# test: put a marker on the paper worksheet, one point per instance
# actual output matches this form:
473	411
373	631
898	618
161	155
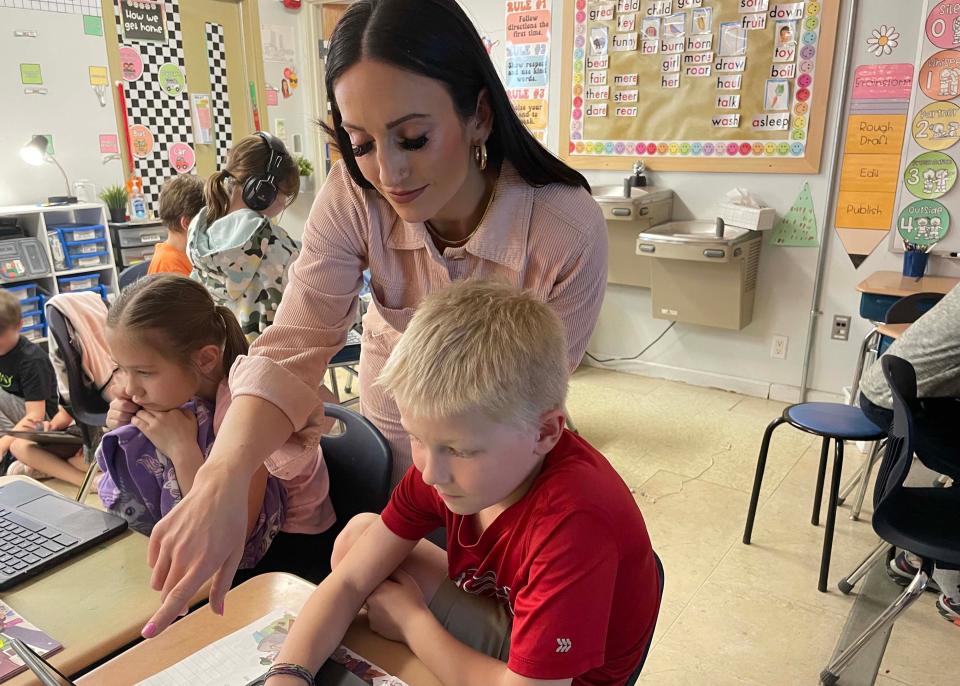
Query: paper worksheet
247	653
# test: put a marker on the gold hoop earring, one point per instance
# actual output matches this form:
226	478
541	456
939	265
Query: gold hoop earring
480	155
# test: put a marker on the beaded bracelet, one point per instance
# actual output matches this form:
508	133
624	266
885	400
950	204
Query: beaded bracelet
290	669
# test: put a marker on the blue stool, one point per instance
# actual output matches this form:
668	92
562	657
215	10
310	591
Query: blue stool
829	421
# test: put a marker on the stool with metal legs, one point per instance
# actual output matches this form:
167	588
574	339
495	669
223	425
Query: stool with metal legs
830	421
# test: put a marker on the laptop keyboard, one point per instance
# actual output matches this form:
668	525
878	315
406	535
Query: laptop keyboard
25	542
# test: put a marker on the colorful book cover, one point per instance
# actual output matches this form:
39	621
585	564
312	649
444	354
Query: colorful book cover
12	625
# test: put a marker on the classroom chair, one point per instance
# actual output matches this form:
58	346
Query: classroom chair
830	421
133	273
635	677
348	357
359	462
921	520
86	406
906	310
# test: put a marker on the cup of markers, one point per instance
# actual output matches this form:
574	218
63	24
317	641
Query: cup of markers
915	259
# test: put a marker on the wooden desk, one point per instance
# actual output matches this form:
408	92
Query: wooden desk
245	604
94	604
897	285
893	331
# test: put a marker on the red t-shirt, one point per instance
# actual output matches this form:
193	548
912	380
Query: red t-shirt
571	560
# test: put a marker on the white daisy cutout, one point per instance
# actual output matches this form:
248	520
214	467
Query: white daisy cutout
883	40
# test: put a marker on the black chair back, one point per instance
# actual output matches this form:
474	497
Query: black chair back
910	308
86	405
133	273
359	463
919	519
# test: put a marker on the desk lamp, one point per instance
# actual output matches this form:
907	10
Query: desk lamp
35	153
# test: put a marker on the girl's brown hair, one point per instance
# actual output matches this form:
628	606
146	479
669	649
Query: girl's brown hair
247	158
179	317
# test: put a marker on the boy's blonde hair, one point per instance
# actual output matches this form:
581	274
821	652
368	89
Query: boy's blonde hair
9	310
483	346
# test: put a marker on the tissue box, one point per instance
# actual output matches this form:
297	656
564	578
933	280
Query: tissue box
755	218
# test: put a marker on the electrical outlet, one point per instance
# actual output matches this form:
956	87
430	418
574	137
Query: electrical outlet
778	348
841	328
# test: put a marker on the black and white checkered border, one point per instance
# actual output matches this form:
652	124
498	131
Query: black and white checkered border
167	117
88	7
220	100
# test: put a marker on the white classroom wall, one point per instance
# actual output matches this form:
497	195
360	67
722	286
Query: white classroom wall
70	110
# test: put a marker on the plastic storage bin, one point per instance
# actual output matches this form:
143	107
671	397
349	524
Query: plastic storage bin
35	332
87	253
130	256
80	232
84	282
92	260
34	303
99	290
24	291
137	237
32	318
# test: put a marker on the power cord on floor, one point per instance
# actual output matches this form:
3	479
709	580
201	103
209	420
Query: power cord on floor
653	500
625	359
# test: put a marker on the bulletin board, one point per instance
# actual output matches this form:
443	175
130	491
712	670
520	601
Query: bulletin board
697	85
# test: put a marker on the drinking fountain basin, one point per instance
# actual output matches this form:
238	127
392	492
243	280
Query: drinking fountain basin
694	240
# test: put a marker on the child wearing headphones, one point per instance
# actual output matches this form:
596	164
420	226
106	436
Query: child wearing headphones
237	252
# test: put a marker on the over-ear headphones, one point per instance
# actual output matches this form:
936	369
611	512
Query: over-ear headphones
260	190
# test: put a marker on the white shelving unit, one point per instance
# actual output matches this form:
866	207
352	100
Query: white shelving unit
35	220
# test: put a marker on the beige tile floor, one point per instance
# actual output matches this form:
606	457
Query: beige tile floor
736	614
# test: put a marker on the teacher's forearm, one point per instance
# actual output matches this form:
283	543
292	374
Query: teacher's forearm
252	430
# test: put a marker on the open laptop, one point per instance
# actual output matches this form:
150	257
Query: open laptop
40	529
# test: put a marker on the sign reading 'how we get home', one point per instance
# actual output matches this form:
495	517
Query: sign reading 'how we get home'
143	20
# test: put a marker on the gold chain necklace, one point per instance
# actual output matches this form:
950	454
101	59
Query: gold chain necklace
466	239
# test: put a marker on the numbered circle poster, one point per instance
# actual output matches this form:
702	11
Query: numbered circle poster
940	75
923	223
937	126
943	24
930	175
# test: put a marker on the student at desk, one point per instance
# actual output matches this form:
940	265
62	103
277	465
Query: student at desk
549	578
173	348
28	386
932	345
440	181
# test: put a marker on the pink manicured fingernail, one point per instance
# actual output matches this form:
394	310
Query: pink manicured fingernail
149	631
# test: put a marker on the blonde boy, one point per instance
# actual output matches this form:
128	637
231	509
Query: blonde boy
548	577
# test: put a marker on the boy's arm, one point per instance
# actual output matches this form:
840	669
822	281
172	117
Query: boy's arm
325	617
35	414
36	410
61	420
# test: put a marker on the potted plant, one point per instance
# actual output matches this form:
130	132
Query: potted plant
115	198
305	168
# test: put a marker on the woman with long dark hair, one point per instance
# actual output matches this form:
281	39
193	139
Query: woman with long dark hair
440	181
